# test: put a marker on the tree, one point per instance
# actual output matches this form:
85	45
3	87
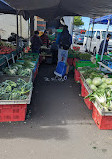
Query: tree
78	21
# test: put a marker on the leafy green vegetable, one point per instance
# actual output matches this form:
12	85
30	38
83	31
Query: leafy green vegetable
10	90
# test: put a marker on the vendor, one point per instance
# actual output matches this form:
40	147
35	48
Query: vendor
45	39
106	45
36	42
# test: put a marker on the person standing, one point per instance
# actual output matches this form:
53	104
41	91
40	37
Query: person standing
36	42
106	45
64	41
45	39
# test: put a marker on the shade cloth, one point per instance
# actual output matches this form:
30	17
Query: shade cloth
54	8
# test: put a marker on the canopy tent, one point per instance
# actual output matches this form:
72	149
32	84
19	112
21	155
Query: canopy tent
54	8
6	9
102	20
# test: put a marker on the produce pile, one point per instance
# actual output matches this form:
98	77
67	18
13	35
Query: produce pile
18	90
79	55
6	48
20	68
29	56
101	87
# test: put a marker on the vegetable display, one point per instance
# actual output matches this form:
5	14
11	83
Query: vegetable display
101	87
79	55
20	68
18	90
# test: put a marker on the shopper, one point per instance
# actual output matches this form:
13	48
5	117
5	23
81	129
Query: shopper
64	41
45	39
106	45
36	42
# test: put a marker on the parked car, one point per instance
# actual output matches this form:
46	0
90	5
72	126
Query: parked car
79	39
93	40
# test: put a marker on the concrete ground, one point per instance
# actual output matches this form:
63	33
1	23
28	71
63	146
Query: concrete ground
58	125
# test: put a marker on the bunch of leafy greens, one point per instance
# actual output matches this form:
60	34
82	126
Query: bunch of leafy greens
18	90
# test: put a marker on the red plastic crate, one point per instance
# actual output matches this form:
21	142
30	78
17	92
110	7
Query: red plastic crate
70	61
81	82
87	102
82	90
13	112
77	76
103	122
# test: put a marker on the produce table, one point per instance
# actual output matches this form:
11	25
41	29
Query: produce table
101	117
15	110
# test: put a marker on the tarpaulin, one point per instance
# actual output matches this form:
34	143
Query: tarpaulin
6	9
102	20
49	8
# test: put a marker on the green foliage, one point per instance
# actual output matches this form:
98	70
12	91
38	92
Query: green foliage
78	21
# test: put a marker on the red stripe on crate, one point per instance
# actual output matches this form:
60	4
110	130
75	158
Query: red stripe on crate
87	102
102	122
82	90
13	112
77	76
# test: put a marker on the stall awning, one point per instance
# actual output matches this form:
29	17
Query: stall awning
103	20
49	8
6	9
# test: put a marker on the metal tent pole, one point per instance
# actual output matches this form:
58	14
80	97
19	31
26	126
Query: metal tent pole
87	37
17	39
91	37
105	40
28	31
21	25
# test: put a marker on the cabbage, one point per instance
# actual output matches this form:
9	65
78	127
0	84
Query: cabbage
109	81
103	85
97	81
104	79
109	86
89	81
93	87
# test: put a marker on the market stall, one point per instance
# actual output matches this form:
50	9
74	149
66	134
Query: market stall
96	89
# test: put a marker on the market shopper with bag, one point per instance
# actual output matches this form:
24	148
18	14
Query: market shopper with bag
36	42
106	45
64	41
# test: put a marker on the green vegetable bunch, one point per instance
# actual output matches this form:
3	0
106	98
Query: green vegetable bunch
10	90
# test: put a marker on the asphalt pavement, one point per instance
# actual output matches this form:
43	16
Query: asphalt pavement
58	125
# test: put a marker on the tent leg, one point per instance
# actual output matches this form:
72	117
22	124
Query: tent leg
91	37
17	39
28	31
104	43
87	37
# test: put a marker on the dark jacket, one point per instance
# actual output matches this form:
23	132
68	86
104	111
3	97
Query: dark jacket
36	42
59	37
101	47
45	39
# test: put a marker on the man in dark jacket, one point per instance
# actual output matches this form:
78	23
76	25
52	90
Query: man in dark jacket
106	45
36	42
64	41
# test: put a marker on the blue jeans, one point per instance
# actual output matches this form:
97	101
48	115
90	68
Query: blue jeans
62	55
